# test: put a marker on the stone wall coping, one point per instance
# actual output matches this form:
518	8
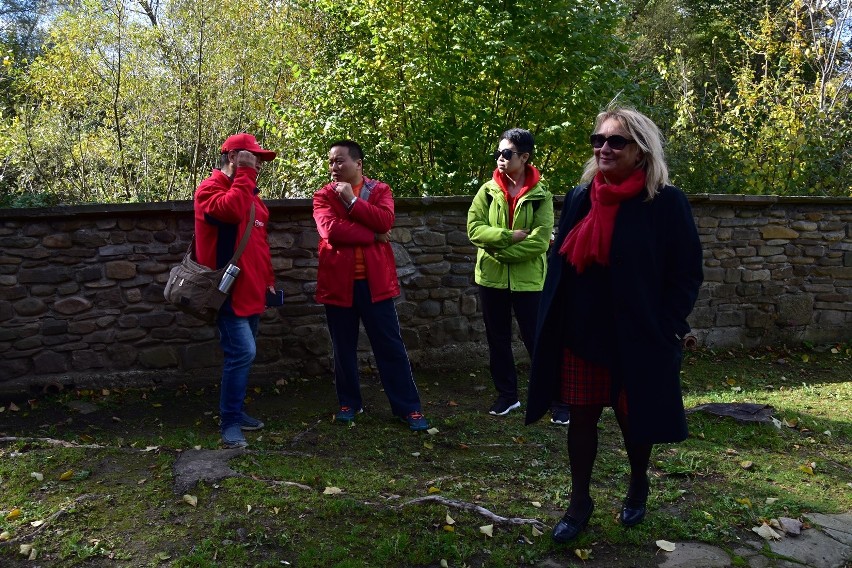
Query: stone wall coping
402	203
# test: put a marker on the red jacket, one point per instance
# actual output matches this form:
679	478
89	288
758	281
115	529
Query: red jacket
341	231
222	210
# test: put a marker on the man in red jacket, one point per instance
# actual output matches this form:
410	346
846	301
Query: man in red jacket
222	211
357	282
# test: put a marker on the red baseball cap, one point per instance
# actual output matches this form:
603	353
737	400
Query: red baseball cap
246	141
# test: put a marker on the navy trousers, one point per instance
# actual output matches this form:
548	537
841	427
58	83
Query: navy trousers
382	326
497	307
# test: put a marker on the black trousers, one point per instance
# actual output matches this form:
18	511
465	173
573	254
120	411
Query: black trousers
497	307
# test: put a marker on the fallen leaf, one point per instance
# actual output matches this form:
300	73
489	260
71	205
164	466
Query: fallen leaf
731	382
744	501
449	520
791	423
487	530
432	431
26	549
583	553
666	545
771	500
776	422
807	469
275	510
444	564
415	454
452	403
806	358
731	452
526	539
449	528
766	532
162	556
66	475
37	523
13	407
332	491
464	447
13	514
5	535
746	464
536	504
433	490
190	500
428	446
151	448
518	439
248	509
37	476
536	532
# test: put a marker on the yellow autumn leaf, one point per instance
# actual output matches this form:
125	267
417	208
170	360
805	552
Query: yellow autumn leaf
191	500
37	524
428	446
746	464
536	504
432	431
771	500
807	469
487	530
666	545
806	358
433	490
731	382
744	501
13	407
449	520
332	491
5	535
444	563
248	509
449	528
583	553
536	532
275	510
156	405
66	475
25	549
13	514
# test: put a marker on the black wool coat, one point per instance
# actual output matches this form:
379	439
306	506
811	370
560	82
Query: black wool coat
656	271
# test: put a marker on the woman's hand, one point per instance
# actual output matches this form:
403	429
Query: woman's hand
519	234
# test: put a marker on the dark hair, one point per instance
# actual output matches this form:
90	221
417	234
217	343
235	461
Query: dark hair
522	139
223	160
355	151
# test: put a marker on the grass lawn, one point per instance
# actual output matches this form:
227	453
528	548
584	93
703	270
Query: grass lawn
312	492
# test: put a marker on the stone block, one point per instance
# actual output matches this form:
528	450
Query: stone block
29	307
46	363
429	238
778	232
756	275
730	318
795	310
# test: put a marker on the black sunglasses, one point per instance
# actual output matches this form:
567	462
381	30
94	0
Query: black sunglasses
506	153
616	141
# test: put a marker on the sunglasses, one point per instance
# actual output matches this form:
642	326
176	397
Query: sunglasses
616	142
506	153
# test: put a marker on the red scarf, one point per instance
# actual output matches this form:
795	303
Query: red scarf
531	177
590	240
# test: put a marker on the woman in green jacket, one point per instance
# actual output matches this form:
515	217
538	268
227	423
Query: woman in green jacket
510	221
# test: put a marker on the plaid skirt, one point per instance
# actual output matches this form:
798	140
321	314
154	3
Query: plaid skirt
586	383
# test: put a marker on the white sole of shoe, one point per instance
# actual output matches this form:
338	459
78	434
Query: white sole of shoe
507	411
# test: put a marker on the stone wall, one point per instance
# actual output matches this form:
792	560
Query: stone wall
81	288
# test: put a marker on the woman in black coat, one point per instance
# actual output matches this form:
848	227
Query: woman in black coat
622	277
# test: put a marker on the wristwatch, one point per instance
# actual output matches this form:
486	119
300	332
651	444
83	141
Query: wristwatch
351	203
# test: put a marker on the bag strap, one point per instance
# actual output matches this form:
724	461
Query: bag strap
242	246
245	239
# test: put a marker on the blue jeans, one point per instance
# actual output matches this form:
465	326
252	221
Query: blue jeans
382	326
236	336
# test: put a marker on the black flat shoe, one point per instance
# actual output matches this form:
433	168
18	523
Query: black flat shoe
568	528
633	513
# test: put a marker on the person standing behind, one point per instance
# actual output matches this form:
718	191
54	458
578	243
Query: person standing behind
614	309
357	281
510	221
222	210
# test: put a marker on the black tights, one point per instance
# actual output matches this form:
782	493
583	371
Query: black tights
583	448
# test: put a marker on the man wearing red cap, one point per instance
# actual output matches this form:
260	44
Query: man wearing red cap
357	282
222	211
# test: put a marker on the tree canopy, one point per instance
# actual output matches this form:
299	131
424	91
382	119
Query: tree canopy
128	101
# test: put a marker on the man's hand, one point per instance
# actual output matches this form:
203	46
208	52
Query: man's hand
246	159
519	234
344	192
383	237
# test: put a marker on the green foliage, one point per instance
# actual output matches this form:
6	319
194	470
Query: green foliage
127	101
774	115
428	88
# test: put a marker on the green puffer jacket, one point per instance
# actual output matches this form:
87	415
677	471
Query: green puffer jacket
500	263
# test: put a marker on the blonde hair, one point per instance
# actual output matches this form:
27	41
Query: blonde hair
650	141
